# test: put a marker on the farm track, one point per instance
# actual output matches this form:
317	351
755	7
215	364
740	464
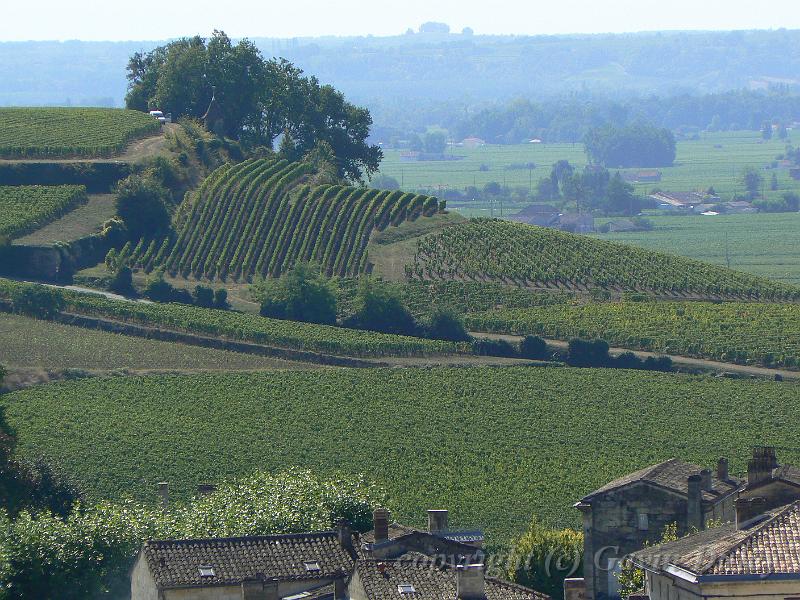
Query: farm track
686	361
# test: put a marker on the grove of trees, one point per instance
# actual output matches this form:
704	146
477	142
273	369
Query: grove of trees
632	146
258	100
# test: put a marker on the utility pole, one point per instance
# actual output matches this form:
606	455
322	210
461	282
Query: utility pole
727	251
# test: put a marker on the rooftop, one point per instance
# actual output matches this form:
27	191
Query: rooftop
228	561
769	546
671	475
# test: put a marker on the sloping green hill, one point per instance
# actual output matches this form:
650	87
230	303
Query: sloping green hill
494	445
493	250
259	217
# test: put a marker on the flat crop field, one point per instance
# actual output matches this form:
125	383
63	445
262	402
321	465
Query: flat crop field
70	132
31	343
494	445
717	159
740	332
767	245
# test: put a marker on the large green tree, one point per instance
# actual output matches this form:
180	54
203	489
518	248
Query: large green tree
259	100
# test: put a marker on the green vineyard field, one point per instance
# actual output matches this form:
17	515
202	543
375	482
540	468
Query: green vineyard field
70	132
500	251
494	445
259	217
742	332
25	209
249	327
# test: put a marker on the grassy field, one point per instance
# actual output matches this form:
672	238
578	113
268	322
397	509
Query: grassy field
30	343
763	244
494	445
742	332
68	132
80	222
699	164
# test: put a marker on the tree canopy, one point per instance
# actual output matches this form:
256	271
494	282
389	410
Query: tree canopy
258	100
632	146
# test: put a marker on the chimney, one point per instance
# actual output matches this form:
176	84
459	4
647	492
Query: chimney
204	489
163	491
747	509
694	507
470	582
259	589
706	483
759	468
722	469
380	523
344	534
437	521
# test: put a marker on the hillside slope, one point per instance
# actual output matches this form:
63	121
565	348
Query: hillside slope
259	217
493	250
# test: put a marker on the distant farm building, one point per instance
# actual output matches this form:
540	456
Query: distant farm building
646	176
535	141
682	200
545	215
473	142
739	207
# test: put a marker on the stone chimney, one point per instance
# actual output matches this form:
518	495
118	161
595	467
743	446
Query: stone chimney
470	582
722	469
260	588
380	523
694	507
344	534
204	489
163	491
759	468
437	521
748	509
706	483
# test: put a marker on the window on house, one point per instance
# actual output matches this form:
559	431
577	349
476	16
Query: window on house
206	571
643	523
406	588
312	565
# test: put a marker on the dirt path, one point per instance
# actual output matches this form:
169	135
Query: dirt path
695	363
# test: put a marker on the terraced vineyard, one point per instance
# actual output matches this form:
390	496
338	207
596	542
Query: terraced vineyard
494	445
24	209
259	217
766	334
248	327
70	132
500	251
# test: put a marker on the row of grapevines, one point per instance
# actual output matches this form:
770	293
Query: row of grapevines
24	209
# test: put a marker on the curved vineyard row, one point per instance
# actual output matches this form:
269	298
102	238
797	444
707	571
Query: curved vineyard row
505	252
259	217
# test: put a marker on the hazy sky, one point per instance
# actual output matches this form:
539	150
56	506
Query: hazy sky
115	20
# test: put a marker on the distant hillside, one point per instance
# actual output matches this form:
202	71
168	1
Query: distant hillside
259	217
501	251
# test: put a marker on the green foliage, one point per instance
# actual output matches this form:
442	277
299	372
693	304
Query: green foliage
122	282
37	301
789	202
739	332
221	299
631	579
445	323
380	308
492	250
24	209
302	294
542	558
515	421
204	296
255	100
631	146
534	347
262	216
63	132
142	204
752	180
241	326
90	552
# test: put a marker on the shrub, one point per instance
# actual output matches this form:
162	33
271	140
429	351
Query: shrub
221	299
447	324
37	301
534	347
142	204
542	558
487	347
586	353
122	282
302	294
204	296
157	289
379	308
